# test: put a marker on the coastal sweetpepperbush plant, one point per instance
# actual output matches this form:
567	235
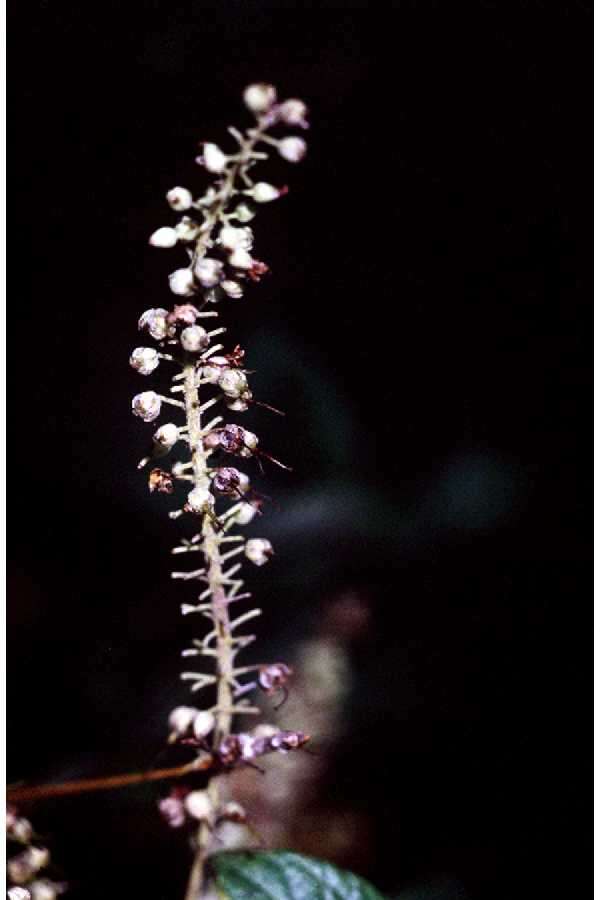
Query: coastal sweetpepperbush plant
197	459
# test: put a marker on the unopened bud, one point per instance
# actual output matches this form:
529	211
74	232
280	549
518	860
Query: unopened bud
42	889
246	513
293	112
199	805
144	360
204	723
292	148
208	271
181	718
233	383
166	436
194	338
163	237
258	551
181	282
215	368
240	259
213	158
173	811
200	499
146	406
262	192
187	229
232	288
243	213
260	97
154	321
231	238
179	199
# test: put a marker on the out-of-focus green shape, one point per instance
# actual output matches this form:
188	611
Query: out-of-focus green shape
281	875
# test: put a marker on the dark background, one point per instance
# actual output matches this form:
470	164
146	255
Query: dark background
426	328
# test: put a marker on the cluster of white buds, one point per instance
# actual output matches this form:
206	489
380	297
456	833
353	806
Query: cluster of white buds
219	243
218	209
24	868
187	720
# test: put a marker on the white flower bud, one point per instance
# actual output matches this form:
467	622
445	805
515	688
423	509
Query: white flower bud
194	338
199	805
146	406
293	112
37	857
240	259
187	229
231	238
42	889
200	499
263	192
243	213
208	271
166	436
203	724
179	199
233	383
245	513
258	551
214	158
18	893
144	360
163	237
181	718
292	148
232	289
21	830
214	368
154	321
260	97
181	282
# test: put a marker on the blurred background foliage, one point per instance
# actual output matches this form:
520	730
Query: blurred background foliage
425	328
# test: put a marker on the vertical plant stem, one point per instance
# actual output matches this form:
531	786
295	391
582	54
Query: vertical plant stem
220	613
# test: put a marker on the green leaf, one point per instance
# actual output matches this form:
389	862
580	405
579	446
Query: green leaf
281	875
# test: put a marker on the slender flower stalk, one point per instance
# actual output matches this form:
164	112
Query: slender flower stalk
218	241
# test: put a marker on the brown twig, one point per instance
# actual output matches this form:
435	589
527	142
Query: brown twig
25	793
